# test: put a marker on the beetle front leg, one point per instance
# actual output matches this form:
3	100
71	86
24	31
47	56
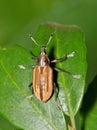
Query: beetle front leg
31	66
66	72
65	57
25	67
30	85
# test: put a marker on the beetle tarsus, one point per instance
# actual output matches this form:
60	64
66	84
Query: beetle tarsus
30	97
25	67
22	67
71	54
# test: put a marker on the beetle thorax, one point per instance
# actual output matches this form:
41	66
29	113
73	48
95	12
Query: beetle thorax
44	60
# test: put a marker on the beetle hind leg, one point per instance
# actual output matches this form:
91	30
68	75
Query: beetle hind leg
66	72
56	98
56	91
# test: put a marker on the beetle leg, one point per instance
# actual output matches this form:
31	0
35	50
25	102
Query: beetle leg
65	57
57	101
31	66
25	67
64	71
30	86
30	97
56	91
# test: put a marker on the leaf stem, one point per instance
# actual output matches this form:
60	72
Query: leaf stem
73	125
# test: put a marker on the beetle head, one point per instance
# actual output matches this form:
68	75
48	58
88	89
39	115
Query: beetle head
43	49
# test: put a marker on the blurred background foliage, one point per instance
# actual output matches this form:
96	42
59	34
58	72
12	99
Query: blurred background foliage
19	18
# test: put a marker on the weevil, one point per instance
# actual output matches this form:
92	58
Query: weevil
43	75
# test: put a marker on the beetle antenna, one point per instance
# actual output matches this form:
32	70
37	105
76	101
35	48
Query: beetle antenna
33	40
50	38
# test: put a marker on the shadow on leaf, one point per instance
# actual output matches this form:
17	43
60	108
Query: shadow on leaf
89	100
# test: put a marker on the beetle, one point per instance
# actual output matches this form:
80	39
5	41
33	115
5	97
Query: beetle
43	76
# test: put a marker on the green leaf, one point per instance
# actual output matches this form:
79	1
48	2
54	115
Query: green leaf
14	104
66	39
34	114
6	125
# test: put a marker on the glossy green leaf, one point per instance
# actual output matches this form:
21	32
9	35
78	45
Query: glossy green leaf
6	125
14	104
33	114
66	39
